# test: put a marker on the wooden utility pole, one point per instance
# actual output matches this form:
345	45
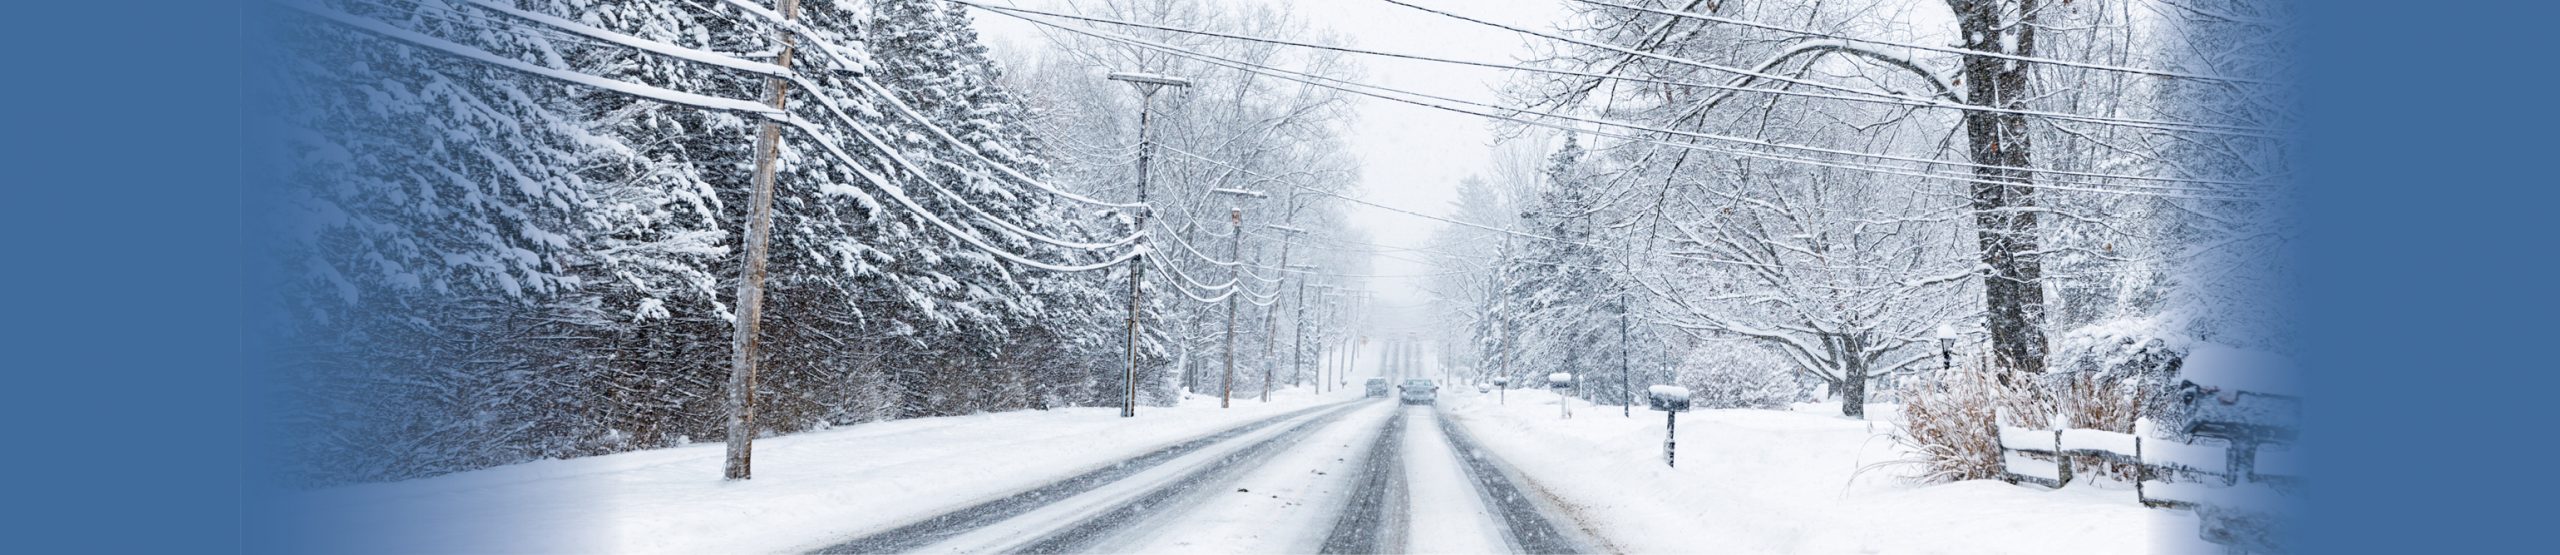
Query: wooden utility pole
1502	310
1235	278
1298	347
1147	86
1271	326
750	301
1626	385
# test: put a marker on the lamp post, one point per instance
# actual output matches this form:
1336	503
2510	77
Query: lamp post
1946	349
1147	85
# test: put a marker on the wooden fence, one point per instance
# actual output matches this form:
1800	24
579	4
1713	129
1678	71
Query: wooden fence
2235	476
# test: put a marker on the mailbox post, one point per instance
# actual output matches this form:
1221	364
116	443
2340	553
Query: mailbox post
1558	381
1671	400
1503	385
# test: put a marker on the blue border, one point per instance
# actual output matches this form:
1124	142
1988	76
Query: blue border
123	187
2429	194
2428	187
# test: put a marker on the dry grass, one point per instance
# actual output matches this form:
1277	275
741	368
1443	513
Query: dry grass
1950	425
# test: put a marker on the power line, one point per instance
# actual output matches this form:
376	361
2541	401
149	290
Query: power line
896	157
704	101
863	80
1942	49
1457	222
1360	89
1866	96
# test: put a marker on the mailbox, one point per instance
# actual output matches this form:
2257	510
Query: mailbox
1560	380
1501	381
1671	400
1668	398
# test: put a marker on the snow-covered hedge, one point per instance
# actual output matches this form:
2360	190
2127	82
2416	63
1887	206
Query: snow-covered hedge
1719	378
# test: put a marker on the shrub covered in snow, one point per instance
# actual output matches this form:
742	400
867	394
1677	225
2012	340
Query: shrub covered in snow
1725	378
2135	355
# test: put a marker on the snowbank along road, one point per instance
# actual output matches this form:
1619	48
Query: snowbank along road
1360	477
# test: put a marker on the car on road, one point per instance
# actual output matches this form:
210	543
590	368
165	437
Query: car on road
1377	387
1420	391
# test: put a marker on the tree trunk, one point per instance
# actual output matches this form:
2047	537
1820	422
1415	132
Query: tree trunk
1853	376
2013	288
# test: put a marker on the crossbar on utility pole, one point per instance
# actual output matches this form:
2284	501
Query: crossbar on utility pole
750	301
1147	86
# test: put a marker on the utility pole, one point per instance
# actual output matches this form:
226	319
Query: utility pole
1412	367
1235	282
1235	278
1350	338
1626	389
1333	316
1271	327
750	301
1147	86
1298	347
1502	311
1387	357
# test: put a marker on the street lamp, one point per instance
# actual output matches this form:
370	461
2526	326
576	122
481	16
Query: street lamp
1147	85
1947	348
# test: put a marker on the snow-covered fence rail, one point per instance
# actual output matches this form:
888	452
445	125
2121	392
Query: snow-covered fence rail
2043	457
2235	475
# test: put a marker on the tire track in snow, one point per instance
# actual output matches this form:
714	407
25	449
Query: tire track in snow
1523	518
1373	521
1086	532
944	526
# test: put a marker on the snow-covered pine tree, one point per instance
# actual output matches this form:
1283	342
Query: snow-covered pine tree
1561	297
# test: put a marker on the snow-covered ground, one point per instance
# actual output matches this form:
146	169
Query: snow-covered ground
1749	481
1800	481
810	489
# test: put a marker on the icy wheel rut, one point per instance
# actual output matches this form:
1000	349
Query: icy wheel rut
1085	533
1524	519
910	537
1373	522
1424	487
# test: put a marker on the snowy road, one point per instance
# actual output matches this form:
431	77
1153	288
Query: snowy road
1367	476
